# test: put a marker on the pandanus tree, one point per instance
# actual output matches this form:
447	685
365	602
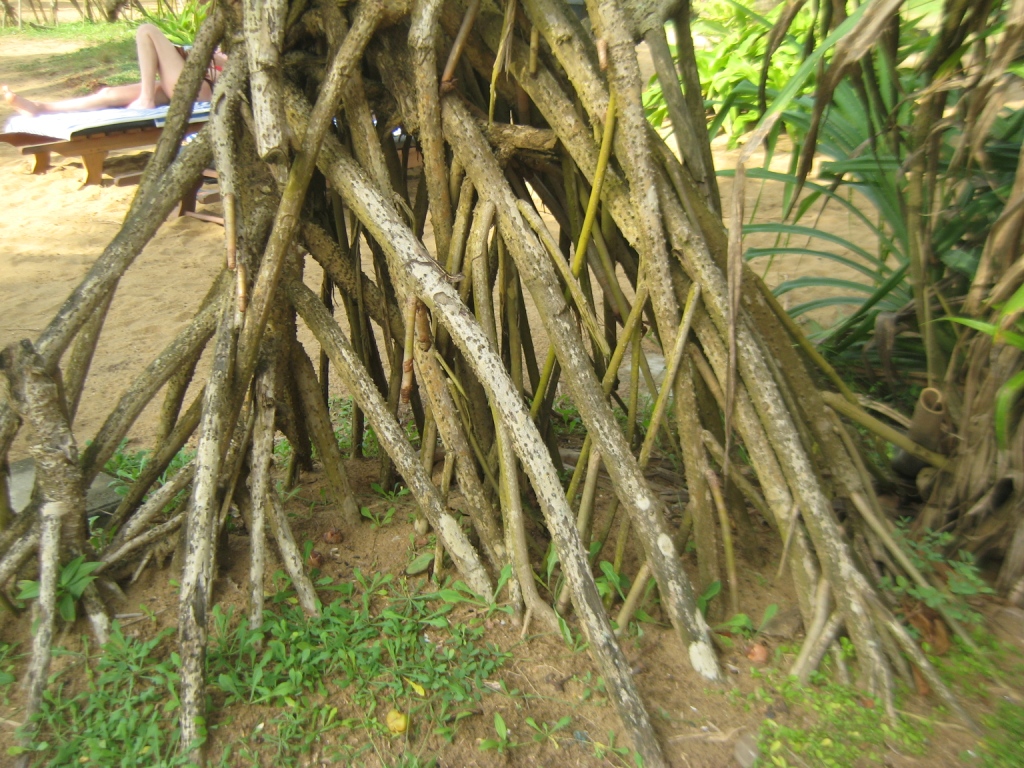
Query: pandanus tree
516	109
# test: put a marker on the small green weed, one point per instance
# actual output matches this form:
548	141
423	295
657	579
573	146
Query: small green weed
611	584
74	578
397	492
844	727
325	681
971	671
127	466
928	555
377	519
385	645
708	595
7	657
609	750
545	731
1004	746
541	732
569	421
575	640
741	624
503	743
120	717
593	688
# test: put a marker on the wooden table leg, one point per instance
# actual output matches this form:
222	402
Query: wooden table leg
188	200
93	167
41	162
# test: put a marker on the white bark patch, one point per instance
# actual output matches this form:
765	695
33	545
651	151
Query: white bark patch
643	503
665	545
702	659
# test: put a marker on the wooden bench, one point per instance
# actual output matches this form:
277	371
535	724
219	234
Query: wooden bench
93	149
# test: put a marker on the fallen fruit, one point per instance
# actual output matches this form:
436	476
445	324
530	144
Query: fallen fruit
397	722
333	536
758	653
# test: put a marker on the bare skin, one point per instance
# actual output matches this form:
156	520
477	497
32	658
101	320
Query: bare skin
160	66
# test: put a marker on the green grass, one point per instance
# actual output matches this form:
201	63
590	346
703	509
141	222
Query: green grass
126	466
326	682
1004	745
841	726
7	677
108	56
78	30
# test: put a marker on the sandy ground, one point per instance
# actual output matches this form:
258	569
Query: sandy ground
52	229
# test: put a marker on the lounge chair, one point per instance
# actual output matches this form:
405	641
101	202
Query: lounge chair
90	135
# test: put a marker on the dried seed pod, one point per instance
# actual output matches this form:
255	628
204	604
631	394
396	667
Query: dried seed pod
333	536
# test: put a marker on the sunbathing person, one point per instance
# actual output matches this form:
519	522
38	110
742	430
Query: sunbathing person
160	65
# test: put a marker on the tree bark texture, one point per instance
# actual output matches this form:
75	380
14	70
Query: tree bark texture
449	323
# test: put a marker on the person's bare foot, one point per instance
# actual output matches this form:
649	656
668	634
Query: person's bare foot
142	103
20	103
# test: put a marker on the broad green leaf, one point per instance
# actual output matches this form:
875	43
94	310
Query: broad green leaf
420	563
1015	303
1006	397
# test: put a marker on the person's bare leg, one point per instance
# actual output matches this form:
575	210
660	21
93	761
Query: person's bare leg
105	98
20	103
157	58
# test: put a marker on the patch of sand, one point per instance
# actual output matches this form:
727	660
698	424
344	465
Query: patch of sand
52	230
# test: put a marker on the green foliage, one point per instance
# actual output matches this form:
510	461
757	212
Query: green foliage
928	555
385	645
1004	745
282	451
502	743
866	138
1012	315
85	31
841	726
545	731
729	64
606	751
419	564
741	624
709	594
569	421
324	681
397	492
112	60
178	25
74	578
611	584
541	732
126	467
120	718
862	177
7	678
341	416
576	642
377	518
